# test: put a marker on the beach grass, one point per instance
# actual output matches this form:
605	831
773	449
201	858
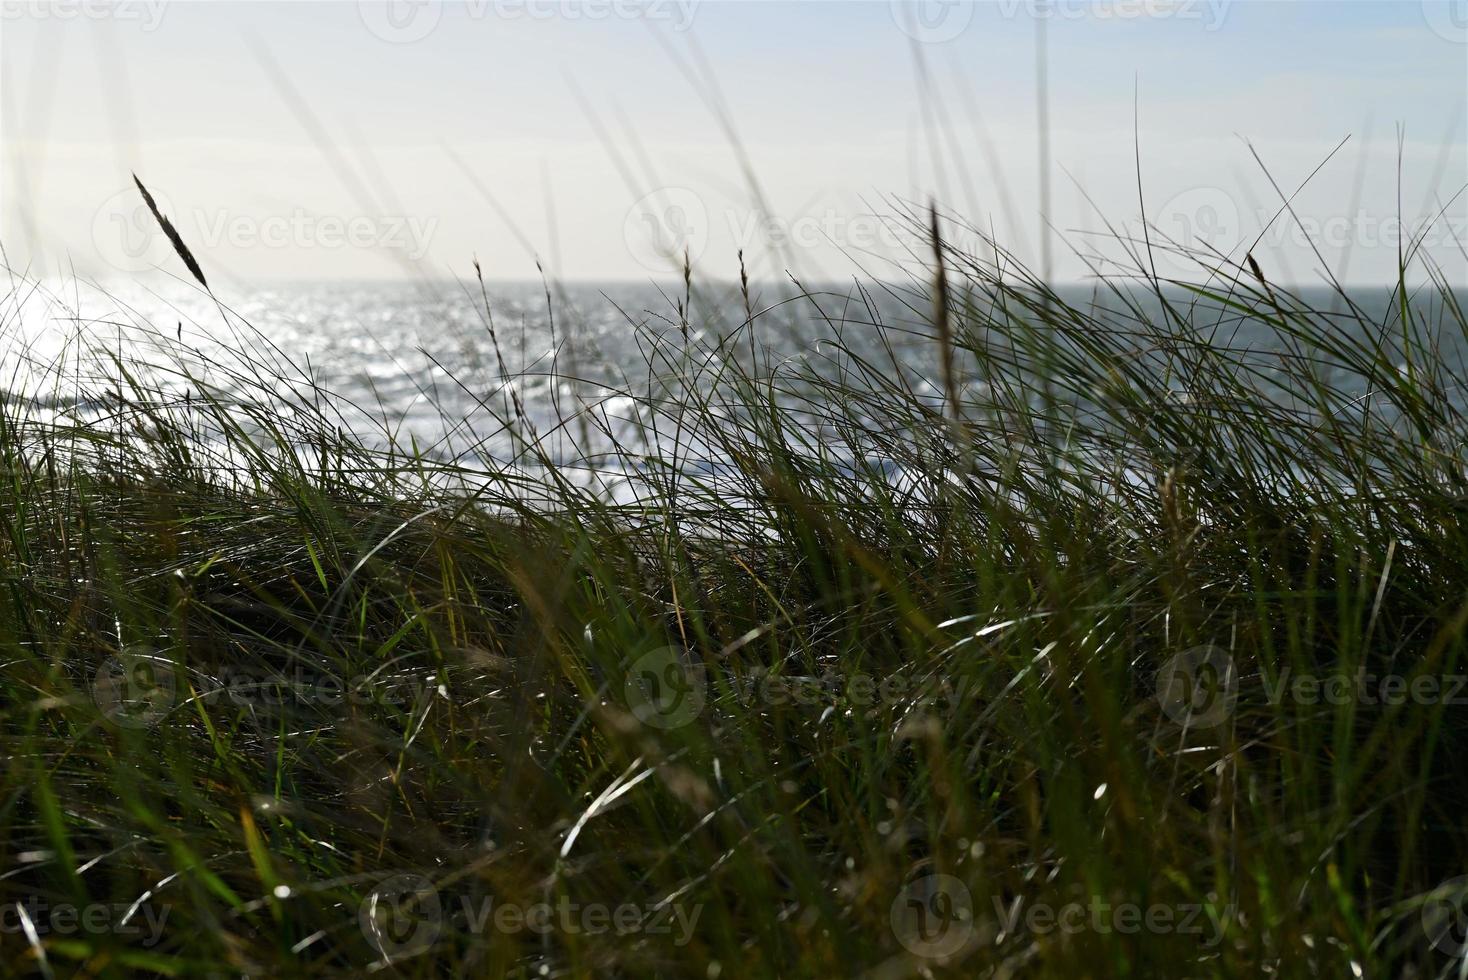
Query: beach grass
1030	638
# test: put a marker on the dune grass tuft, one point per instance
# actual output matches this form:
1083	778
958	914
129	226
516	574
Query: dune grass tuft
990	633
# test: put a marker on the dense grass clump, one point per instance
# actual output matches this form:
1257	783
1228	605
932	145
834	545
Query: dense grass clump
978	630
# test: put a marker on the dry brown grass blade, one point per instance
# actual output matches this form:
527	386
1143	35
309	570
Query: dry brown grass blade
941	317
1259	274
174	238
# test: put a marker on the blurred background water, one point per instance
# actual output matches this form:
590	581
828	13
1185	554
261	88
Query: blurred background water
412	366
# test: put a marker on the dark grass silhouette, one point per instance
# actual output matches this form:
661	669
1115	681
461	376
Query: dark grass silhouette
946	617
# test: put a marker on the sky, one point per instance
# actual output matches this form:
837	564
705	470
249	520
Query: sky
606	138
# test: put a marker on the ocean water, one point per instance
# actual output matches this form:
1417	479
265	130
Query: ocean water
441	369
431	363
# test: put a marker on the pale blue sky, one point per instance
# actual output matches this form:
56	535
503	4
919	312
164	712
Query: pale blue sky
824	96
